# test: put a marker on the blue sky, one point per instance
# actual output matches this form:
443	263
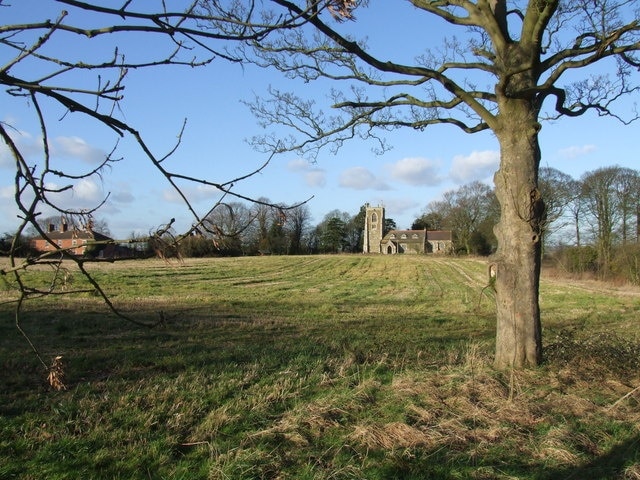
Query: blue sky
419	168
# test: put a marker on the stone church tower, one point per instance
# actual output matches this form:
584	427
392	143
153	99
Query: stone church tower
373	229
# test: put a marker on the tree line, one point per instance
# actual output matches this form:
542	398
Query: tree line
591	224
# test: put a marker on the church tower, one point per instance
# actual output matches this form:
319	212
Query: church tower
373	228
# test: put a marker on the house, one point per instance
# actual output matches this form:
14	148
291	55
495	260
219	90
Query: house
402	241
74	240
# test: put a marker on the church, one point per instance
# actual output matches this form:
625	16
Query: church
402	241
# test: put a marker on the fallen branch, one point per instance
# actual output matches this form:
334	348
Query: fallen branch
624	397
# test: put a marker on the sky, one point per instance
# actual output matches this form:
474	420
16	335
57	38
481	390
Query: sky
419	168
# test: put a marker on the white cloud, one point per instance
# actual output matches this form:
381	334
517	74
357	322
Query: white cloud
76	147
576	151
122	197
475	166
87	190
8	210
85	194
313	176
360	178
72	147
170	195
193	193
7	192
121	193
298	165
416	171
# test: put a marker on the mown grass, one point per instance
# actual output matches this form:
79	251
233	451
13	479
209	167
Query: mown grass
329	367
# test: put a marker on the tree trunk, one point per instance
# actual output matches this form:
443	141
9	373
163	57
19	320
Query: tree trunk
518	335
638	223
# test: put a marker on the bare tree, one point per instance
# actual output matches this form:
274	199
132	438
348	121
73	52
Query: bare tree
464	210
228	224
266	232
84	82
609	195
556	189
298	223
575	208
629	197
506	67
431	219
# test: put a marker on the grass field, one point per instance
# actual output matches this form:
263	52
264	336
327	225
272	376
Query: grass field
319	367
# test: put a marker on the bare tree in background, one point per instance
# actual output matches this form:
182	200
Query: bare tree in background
464	210
629	195
506	67
556	189
229	223
606	198
298	223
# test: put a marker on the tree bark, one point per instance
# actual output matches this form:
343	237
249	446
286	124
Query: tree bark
518	334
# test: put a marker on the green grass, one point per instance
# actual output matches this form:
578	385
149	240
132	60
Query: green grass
327	367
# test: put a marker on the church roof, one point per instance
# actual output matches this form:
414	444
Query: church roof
415	235
419	235
439	235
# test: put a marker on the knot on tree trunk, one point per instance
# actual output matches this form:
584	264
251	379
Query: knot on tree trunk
536	212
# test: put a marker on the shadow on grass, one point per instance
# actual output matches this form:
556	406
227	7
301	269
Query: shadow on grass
96	346
612	464
621	462
618	463
331	366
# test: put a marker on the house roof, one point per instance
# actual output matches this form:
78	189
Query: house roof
76	234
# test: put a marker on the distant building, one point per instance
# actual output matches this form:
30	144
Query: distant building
74	240
402	241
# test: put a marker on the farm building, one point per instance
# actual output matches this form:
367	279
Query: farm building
402	241
74	240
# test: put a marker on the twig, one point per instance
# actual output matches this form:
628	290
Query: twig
624	397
